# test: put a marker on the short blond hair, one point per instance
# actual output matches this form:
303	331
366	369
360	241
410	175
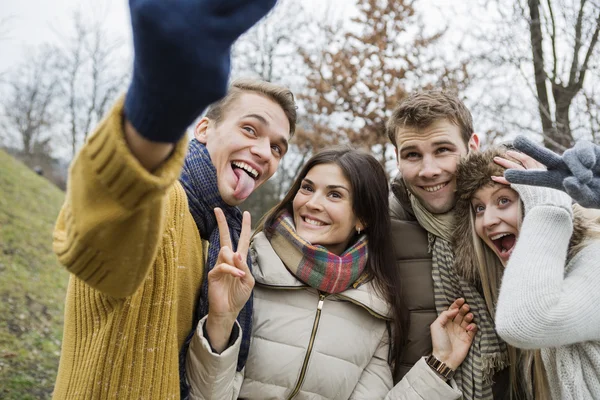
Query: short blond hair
279	94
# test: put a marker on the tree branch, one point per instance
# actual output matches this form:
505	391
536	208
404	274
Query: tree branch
553	39
588	55
576	46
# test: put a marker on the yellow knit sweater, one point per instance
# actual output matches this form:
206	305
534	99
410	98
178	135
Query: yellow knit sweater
136	259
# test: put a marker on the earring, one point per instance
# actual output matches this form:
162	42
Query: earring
358	231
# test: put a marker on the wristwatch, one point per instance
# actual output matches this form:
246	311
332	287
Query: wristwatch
440	367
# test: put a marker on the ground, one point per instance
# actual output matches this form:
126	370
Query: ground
32	283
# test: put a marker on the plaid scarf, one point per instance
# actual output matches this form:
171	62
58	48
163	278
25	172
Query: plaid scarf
488	353
313	264
199	179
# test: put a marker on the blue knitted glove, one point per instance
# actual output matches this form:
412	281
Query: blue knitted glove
182	59
577	172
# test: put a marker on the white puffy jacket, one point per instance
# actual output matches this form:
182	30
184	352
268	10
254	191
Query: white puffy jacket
308	345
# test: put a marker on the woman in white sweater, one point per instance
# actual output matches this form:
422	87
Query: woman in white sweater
537	262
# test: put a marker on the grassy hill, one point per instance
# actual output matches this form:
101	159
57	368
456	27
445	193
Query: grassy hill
32	283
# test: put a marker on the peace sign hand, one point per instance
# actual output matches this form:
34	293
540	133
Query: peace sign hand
230	283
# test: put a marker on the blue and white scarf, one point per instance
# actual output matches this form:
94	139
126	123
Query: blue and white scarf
199	179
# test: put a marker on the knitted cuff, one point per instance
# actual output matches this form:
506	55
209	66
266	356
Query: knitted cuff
533	196
120	172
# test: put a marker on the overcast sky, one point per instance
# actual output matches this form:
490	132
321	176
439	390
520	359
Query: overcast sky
24	24
28	23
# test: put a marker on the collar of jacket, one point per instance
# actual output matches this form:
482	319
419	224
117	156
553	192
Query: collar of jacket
400	207
269	270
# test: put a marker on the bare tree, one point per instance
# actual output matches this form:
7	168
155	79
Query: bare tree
29	102
267	51
555	69
582	34
91	77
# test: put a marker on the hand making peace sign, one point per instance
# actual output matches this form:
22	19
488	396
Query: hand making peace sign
230	282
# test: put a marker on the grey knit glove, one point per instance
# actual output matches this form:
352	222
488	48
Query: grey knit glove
533	196
577	172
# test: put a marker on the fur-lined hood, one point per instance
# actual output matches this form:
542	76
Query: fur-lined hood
474	172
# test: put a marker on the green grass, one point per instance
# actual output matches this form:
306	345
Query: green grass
32	283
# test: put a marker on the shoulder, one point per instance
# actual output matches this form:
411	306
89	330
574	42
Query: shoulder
400	208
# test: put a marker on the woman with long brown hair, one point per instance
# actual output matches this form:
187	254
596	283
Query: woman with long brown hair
328	322
535	259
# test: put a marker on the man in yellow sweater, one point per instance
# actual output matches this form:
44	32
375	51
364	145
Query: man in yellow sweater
130	232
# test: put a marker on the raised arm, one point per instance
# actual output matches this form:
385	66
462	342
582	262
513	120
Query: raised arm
541	303
109	230
112	221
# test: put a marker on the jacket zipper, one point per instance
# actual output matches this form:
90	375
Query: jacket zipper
311	342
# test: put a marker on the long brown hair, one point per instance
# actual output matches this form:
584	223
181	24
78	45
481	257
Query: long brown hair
370	205
479	264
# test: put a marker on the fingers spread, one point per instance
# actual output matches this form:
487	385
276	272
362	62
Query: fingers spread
543	155
223	228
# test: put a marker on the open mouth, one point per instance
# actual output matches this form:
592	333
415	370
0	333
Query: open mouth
246	168
313	222
435	188
504	243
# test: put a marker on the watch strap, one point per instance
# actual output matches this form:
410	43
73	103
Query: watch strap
440	367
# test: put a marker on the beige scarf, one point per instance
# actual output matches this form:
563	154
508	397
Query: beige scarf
488	353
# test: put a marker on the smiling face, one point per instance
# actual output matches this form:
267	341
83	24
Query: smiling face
496	209
322	208
246	146
427	161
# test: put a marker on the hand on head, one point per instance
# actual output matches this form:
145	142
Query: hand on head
534	173
516	161
452	334
577	172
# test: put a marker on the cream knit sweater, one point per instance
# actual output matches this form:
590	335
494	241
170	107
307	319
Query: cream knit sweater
547	304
